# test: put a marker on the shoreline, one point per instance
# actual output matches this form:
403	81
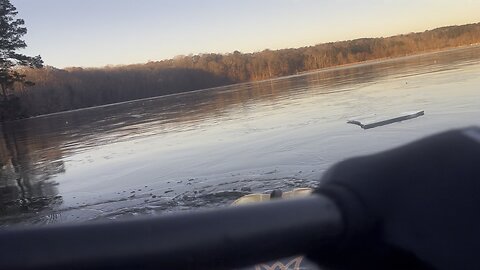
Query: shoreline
303	73
386	59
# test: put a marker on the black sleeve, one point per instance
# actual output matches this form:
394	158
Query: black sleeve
414	207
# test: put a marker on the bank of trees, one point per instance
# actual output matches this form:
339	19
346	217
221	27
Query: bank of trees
12	30
73	88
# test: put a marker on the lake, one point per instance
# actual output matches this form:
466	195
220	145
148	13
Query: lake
205	149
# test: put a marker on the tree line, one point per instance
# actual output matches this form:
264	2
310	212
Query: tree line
73	88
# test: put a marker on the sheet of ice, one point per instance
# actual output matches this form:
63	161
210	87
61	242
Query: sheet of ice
373	121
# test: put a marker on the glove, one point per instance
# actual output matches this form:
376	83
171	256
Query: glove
414	207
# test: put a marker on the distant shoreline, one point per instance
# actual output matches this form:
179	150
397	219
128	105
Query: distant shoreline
339	67
72	89
356	64
386	59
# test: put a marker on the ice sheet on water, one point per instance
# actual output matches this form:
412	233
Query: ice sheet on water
367	122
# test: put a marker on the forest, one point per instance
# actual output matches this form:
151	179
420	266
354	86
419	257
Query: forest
58	90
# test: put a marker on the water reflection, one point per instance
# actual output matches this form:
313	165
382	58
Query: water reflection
47	164
27	164
180	112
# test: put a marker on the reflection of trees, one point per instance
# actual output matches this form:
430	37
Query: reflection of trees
163	114
26	166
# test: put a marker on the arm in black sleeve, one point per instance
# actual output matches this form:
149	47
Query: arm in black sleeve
414	207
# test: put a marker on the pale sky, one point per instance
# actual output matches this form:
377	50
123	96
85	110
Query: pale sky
94	33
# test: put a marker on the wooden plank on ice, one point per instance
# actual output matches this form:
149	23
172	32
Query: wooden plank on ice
373	124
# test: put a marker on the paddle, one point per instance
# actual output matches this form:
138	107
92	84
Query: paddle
213	239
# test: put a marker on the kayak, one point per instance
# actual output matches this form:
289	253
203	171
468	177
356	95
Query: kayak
291	263
275	194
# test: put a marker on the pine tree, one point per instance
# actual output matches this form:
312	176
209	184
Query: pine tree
11	32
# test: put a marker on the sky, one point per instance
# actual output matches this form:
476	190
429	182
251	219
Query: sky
96	33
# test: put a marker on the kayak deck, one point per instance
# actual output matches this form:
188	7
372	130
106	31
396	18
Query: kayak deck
258	197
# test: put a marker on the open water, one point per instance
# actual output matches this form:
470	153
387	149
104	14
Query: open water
209	147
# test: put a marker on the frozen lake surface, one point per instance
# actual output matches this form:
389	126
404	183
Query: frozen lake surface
209	147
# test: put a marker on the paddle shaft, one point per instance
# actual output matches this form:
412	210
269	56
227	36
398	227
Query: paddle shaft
208	239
